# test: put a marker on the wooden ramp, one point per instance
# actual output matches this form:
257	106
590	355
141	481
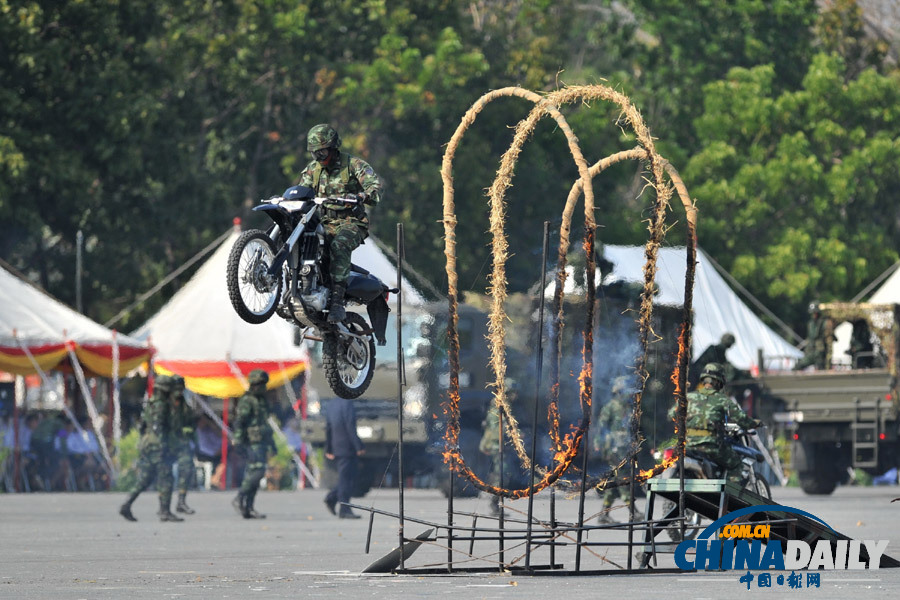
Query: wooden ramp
715	498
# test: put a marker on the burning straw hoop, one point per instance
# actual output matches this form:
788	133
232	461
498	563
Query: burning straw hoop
566	448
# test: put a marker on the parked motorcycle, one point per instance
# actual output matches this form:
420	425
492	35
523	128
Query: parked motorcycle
285	270
698	466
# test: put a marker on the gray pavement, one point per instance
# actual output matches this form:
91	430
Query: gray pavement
77	546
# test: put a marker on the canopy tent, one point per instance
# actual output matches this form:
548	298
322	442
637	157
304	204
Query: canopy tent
889	291
717	308
373	260
37	328
198	335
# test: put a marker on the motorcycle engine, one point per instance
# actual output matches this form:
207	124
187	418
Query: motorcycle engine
317	300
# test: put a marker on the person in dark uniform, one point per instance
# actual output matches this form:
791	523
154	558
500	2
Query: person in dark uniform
343	445
155	459
253	437
182	444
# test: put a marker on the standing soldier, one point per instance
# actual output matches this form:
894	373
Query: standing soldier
334	173
183	425
253	436
611	443
155	459
708	410
816	351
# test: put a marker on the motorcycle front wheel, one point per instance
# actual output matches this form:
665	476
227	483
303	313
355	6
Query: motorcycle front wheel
349	362
253	292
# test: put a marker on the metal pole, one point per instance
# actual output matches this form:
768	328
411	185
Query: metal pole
539	365
501	502
631	512
400	383
553	526
79	242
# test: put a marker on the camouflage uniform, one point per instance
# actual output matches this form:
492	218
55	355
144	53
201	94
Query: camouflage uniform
708	411
253	437
490	446
611	441
346	227
816	352
182	436
155	458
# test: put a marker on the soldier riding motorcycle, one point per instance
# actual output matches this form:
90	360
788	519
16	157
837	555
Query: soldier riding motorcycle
717	444
300	266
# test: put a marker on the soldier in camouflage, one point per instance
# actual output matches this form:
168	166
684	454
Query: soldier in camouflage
816	351
253	437
611	442
155	458
183	425
334	173
490	440
708	411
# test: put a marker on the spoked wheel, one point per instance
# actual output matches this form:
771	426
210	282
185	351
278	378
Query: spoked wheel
760	486
691	524
349	361
254	293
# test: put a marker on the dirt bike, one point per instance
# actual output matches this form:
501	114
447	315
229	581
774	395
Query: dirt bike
698	466
285	270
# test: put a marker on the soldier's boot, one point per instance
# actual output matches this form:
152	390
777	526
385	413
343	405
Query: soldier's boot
249	511
238	502
182	506
604	518
125	509
165	514
336	312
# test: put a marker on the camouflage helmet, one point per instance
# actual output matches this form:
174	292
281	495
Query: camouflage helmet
258	377
727	340
163	383
177	383
322	136
715	372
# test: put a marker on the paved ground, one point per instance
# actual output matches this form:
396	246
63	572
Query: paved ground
77	546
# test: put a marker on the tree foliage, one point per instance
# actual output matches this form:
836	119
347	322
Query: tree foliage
150	125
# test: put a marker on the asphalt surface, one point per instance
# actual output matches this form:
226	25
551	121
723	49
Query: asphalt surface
77	546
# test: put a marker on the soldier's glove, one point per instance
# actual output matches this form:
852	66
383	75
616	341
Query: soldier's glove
359	209
362	197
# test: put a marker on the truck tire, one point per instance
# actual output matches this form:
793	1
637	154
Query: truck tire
817	484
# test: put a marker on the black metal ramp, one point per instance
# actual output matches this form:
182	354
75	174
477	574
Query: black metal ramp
714	498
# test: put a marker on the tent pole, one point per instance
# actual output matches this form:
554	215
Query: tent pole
19	397
225	443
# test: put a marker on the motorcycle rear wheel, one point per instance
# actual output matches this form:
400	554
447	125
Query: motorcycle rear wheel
349	363
253	292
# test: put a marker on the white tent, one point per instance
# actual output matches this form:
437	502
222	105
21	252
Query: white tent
36	324
199	336
889	291
717	308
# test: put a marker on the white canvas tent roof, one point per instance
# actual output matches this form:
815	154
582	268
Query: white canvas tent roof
34	320
889	291
37	318
199	323
717	308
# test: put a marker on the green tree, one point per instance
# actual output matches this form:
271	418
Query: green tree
798	190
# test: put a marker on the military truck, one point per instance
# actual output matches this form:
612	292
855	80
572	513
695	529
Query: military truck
376	410
845	416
